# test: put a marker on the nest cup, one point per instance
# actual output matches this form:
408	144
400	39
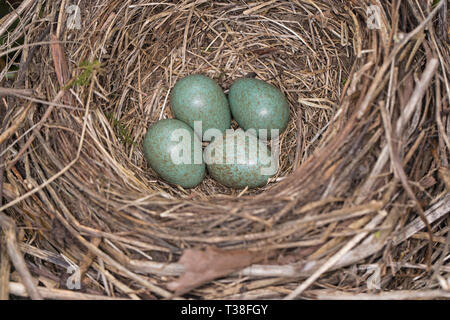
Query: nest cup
82	188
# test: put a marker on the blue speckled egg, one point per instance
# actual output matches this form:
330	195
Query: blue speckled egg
175	152
240	159
259	105
199	98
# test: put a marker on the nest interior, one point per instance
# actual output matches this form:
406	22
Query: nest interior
363	160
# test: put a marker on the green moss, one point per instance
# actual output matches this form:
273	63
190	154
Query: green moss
42	11
123	133
84	78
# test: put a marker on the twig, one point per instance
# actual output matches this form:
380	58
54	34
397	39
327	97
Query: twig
26	64
58	294
437	211
14	126
396	162
341	253
14	15
59	25
392	295
438	265
294	270
406	115
5	268
30	141
15	92
387	63
9	229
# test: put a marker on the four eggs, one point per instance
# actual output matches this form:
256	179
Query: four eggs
235	159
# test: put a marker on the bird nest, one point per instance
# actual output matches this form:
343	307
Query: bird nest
360	200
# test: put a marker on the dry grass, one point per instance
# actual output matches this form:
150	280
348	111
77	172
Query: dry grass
363	179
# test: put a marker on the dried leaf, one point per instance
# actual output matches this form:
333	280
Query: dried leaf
59	60
61	65
203	266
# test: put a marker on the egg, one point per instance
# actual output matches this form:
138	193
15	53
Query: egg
174	152
259	105
199	98
239	159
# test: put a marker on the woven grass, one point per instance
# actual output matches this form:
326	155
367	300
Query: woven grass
362	189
